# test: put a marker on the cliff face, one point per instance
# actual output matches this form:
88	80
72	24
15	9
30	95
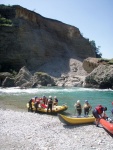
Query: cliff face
39	43
101	77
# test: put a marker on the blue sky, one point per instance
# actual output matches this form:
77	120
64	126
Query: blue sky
94	18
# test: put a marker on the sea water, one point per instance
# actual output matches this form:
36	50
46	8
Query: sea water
18	98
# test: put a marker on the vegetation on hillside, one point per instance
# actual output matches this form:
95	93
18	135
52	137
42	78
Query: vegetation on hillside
98	54
106	61
5	6
5	22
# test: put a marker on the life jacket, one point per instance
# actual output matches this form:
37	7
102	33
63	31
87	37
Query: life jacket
32	100
50	101
37	101
78	106
112	111
99	109
43	106
56	100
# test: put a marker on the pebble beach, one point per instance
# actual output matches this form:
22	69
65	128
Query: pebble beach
33	131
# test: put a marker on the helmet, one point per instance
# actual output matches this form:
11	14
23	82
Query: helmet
55	97
43	96
86	101
78	101
36	97
50	96
105	108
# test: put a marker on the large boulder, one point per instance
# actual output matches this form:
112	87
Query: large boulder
3	75
90	64
24	77
8	82
70	81
43	79
100	77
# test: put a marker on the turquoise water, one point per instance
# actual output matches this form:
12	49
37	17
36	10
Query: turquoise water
19	97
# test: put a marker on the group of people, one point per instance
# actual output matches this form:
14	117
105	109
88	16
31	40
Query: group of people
43	102
86	107
98	112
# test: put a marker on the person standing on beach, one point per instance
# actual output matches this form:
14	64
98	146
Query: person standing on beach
78	108
36	104
112	110
98	113
50	104
30	105
87	107
55	101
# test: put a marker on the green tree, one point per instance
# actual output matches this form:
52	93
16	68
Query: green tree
98	54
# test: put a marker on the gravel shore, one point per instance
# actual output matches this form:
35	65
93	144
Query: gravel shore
30	131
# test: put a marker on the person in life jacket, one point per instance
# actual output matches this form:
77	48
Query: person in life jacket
36	104
78	108
45	100
55	101
112	110
42	102
98	113
30	104
50	104
87	107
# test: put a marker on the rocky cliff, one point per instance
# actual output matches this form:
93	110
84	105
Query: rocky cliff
101	77
40	44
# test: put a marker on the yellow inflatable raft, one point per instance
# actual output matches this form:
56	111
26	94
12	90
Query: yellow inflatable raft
75	120
55	109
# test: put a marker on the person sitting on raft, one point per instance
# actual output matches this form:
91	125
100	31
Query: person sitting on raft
43	102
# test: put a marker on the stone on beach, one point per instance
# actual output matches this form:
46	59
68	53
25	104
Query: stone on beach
25	130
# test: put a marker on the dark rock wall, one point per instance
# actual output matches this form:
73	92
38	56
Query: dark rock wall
34	41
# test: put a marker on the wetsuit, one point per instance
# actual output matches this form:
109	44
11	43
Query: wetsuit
50	103
79	109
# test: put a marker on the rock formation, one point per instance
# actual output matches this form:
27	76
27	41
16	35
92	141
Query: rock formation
39	43
53	52
101	77
3	75
90	64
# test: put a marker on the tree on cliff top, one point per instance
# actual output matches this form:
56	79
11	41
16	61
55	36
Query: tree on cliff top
98	54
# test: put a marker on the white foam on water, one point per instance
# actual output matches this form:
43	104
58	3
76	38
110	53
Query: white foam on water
17	90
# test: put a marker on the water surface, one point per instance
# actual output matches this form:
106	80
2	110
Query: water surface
17	98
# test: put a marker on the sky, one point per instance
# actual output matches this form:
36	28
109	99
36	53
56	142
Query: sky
94	18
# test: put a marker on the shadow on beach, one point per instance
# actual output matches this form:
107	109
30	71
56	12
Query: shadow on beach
76	126
109	133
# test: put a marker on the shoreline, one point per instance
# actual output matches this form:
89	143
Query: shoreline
25	130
